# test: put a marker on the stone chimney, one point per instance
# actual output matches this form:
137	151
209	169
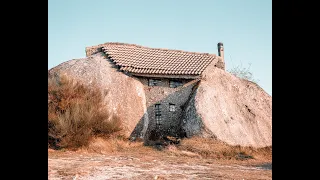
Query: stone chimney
221	50
221	63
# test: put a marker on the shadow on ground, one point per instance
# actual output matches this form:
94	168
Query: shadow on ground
267	166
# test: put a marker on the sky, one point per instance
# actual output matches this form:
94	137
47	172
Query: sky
243	26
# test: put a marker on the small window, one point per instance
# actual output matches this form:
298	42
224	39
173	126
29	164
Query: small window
157	109
158	120
154	82
172	107
175	83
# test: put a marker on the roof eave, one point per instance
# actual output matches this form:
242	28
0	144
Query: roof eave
167	76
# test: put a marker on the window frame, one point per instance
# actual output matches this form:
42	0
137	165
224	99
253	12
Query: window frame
170	107
175	83
158	120
153	82
157	112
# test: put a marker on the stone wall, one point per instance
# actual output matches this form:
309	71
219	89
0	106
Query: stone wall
220	64
164	95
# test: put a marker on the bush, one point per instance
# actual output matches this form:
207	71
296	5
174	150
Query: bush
243	73
76	113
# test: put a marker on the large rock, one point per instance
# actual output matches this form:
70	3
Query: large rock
230	109
125	97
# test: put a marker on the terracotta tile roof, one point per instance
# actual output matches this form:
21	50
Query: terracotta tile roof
144	60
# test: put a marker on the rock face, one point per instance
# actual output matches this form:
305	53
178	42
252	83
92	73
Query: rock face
230	109
125	97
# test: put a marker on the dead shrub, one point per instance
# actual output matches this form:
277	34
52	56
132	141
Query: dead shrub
76	113
243	73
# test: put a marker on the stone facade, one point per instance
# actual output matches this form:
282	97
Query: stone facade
220	64
170	117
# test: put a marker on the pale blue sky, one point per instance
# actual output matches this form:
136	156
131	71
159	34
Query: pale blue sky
244	27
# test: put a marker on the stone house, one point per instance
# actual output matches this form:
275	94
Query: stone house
169	78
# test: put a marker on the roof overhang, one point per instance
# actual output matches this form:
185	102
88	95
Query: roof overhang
166	76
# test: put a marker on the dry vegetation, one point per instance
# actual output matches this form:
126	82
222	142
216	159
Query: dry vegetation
243	73
76	114
214	149
194	158
189	147
116	158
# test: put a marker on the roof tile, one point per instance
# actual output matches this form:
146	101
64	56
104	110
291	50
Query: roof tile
156	60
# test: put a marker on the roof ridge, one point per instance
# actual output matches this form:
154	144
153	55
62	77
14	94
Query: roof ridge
165	49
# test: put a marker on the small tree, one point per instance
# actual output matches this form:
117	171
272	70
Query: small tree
243	73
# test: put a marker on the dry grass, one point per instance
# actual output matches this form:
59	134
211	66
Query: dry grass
116	157
115	144
211	148
76	114
190	147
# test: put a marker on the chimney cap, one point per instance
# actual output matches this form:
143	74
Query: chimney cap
220	44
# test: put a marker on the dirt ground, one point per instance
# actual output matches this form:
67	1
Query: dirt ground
158	165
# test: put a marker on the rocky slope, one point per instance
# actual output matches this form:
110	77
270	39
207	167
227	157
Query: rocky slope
125	96
230	109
